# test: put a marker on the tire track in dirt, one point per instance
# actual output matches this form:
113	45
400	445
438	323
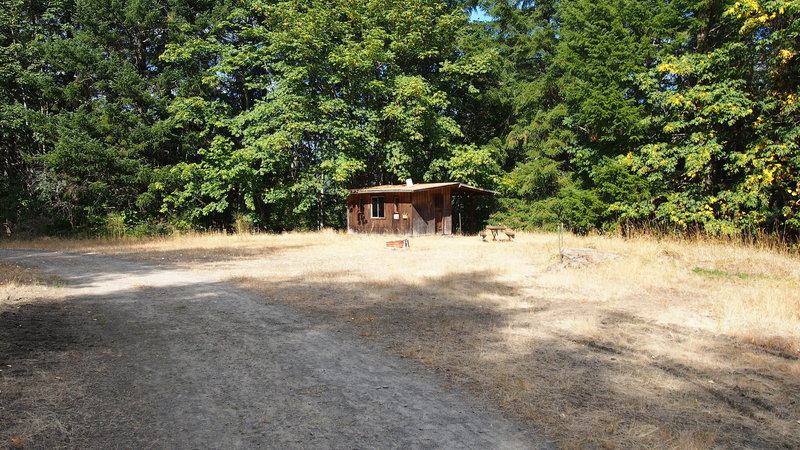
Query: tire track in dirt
188	361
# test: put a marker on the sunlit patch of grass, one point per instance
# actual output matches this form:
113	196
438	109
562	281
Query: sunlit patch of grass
14	274
18	282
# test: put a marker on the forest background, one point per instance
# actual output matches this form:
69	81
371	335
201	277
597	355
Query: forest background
147	116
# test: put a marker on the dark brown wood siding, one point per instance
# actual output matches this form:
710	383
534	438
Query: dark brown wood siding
397	214
425	211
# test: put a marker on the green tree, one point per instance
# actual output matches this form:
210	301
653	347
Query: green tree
335	94
577	105
26	98
86	115
727	148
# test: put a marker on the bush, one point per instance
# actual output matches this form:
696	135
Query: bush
148	229
114	226
580	210
526	215
243	224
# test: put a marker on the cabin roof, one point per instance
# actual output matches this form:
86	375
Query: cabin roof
458	188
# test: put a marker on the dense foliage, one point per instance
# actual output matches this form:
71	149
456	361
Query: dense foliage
141	116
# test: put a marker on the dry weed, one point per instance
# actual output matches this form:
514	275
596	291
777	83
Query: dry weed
16	275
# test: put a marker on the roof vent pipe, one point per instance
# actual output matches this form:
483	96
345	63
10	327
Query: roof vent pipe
409	183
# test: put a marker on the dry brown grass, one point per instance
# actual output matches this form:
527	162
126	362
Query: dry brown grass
18	283
14	274
36	391
678	344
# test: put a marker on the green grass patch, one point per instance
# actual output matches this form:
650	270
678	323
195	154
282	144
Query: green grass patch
717	273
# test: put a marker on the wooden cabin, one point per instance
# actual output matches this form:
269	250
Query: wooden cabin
406	209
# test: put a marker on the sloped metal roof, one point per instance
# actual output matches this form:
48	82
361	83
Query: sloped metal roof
458	188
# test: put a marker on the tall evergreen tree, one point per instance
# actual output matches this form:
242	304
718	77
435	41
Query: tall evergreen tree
577	103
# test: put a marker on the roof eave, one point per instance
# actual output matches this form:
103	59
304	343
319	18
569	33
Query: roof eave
465	188
460	188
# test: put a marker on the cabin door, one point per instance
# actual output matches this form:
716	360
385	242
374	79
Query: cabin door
438	212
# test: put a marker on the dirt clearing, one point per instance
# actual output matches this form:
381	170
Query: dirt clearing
183	359
667	344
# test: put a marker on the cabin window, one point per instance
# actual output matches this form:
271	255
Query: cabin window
377	208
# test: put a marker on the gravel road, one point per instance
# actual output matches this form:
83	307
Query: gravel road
189	361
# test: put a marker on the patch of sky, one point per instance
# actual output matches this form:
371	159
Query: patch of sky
479	15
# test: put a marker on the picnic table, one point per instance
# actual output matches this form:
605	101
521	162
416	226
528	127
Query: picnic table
496	229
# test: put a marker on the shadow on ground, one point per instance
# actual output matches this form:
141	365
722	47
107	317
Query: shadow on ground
191	256
610	379
45	354
153	254
30	329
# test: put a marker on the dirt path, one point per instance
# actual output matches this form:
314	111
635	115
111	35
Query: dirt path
186	360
